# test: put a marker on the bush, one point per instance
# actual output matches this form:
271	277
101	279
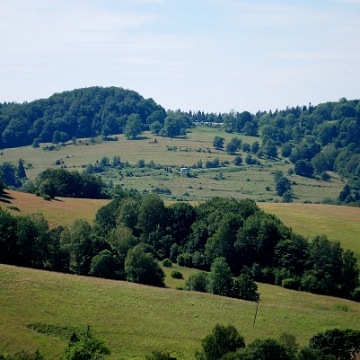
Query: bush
290	283
175	274
222	340
46	197
180	260
238	160
167	262
197	282
158	355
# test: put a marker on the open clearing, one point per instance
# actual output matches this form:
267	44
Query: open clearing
135	319
61	211
245	181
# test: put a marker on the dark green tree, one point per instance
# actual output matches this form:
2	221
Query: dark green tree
307	353
197	282
218	142
8	174
238	160
155	127
245	288
133	127
152	214
85	348
303	168
282	185
160	355
339	343
345	192
255	147
142	268
233	146
105	265
220	278
21	169
267	349
221	341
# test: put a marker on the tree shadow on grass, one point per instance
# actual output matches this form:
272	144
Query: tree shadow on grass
5	197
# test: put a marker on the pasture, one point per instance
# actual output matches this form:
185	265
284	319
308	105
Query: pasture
41	309
244	181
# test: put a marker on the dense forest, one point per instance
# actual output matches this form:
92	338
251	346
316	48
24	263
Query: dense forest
85	113
229	237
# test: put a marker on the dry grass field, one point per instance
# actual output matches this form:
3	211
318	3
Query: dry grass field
61	211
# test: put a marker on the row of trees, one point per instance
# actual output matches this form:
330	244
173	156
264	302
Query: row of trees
28	241
247	239
220	281
60	182
225	342
12	175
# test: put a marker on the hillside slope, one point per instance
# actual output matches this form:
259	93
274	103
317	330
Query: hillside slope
61	211
41	309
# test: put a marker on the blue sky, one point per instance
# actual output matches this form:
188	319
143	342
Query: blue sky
211	55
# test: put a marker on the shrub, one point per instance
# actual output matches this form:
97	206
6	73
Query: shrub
158	355
167	262
238	160
221	341
46	197
180	260
197	282
175	274
290	283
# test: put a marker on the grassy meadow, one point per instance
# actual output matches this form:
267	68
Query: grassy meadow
40	310
60	211
245	181
339	223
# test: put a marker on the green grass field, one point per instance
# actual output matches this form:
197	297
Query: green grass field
40	310
245	181
339	223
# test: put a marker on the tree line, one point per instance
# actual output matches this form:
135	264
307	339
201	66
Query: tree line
225	343
132	232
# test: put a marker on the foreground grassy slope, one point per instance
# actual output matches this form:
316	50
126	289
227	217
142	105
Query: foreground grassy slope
135	320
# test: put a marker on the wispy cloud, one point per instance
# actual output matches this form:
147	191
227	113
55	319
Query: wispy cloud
317	55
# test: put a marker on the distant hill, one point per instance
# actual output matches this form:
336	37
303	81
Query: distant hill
315	139
78	113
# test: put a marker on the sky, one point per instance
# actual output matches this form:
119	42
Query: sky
207	55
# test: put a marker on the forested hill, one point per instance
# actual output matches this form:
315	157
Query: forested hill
77	113
315	139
